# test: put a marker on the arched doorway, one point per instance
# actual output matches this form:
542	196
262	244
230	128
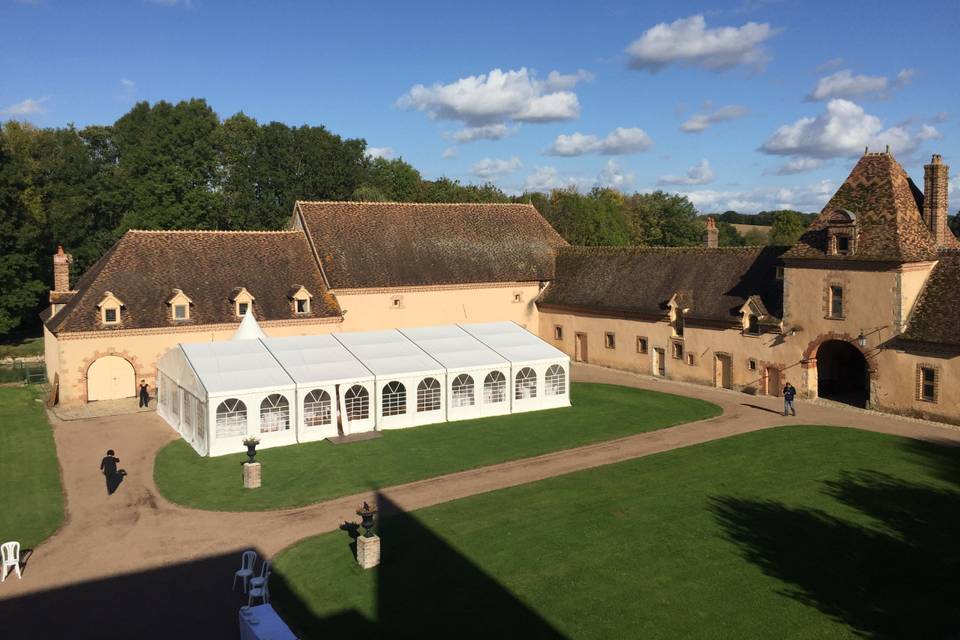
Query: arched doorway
842	373
109	378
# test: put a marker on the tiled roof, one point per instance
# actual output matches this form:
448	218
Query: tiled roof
935	317
144	267
384	244
715	283
884	200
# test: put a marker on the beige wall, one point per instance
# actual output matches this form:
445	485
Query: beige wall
896	385
51	354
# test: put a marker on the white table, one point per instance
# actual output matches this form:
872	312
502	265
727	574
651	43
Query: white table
269	625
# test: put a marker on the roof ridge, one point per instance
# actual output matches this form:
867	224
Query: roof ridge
614	249
420	204
215	231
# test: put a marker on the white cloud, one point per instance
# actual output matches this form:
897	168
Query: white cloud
798	165
810	197
620	141
380	152
701	121
484	132
829	65
494	168
28	107
843	130
928	132
843	84
689	42
499	96
904	78
612	176
449	152
547	179
700	173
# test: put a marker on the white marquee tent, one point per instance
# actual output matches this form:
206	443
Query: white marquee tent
298	389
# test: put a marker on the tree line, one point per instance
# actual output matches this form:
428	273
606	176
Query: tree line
179	166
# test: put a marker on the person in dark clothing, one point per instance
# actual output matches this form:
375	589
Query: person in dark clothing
789	393
144	394
109	468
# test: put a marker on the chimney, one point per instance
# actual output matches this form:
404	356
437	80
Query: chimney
61	270
713	234
935	179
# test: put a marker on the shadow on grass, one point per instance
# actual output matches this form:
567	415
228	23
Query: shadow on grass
896	577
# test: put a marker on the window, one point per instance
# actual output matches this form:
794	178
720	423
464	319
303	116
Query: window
242	308
778	274
357	403
843	245
462	391
642	344
678	324
691	360
517	297
678	350
753	324
526	386
494	388
396	302
610	340
274	413
752	364
836	301
927	383
303	305
110	315
231	418
557	332
179	312
555	381
317	409
428	395
394	399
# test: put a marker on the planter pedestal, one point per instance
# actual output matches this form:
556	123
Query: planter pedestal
251	475
368	552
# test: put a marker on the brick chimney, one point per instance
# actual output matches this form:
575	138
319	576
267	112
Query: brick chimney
61	270
713	234
935	179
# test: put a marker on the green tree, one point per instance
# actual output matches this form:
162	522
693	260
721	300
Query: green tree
593	219
664	219
787	227
729	236
389	180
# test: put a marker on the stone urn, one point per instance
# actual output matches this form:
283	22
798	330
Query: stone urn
251	444
367	513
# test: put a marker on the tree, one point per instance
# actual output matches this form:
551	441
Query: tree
664	219
593	219
729	236
389	180
787	227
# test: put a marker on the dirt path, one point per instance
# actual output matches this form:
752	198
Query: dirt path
136	530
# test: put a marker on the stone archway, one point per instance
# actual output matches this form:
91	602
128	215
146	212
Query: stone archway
111	377
842	373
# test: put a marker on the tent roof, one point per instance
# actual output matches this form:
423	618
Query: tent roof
236	366
175	365
389	353
454	348
249	329
316	359
513	342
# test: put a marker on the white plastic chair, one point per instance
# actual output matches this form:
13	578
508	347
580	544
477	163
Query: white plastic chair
247	560
262	592
260	580
10	555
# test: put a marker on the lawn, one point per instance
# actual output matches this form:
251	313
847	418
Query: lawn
31	504
794	532
311	472
21	348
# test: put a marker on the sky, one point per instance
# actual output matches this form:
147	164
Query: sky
747	105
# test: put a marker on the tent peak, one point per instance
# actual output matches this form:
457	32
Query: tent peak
249	329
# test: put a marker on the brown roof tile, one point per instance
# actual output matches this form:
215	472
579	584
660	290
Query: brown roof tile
935	317
384	244
144	267
715	283
884	200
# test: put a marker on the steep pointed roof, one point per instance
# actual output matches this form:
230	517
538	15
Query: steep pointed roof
935	319
883	198
249	329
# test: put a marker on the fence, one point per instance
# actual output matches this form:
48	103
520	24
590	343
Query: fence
28	372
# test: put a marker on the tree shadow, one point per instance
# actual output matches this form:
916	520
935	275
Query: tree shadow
888	571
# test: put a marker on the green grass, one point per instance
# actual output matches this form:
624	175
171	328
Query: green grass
310	472
31	503
794	532
21	348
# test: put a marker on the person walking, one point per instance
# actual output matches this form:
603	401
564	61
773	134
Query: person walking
789	393
144	394
108	466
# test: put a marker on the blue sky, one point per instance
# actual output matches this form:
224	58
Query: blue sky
748	104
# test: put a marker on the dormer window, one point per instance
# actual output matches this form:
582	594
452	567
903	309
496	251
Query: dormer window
109	308
841	233
753	324
242	308
303	306
843	245
300	298
179	306
679	304
111	315
242	301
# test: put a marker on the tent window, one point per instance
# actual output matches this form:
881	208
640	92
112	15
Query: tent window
555	380
316	409
274	413
231	418
526	386
462	389
494	388
394	399
428	395
357	401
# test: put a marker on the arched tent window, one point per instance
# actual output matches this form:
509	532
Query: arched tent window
316	409
462	391
274	413
357	401
494	388
555	381
428	395
394	399
231	418
526	386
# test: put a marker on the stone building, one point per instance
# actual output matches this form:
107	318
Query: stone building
860	309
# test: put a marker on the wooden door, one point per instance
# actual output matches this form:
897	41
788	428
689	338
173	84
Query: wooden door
773	381
580	348
659	362
723	371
